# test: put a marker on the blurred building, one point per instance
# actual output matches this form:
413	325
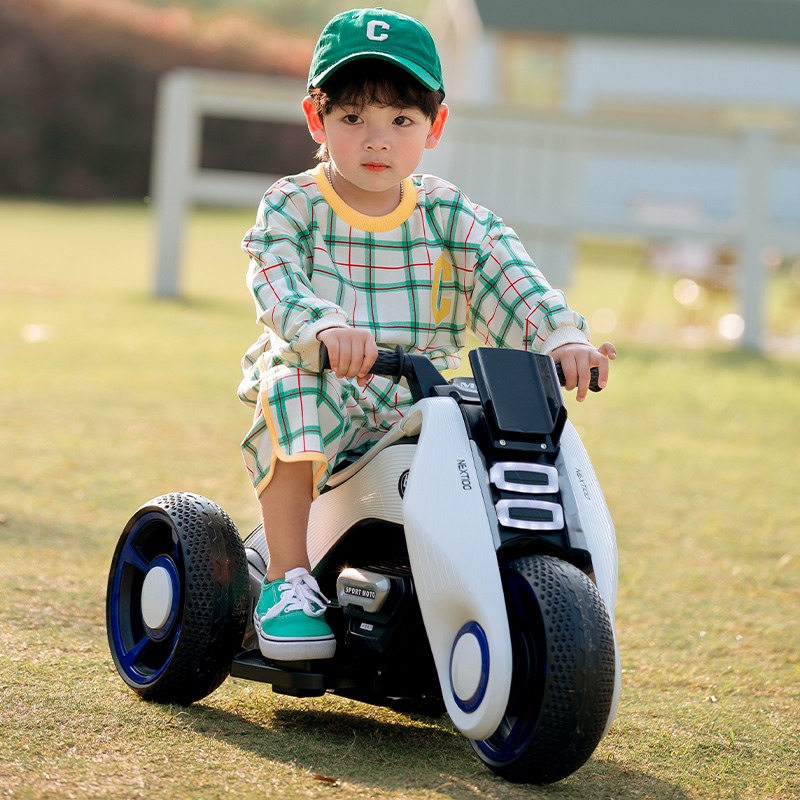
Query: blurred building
702	65
674	122
694	60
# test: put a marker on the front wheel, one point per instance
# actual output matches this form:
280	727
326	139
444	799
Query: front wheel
178	598
563	673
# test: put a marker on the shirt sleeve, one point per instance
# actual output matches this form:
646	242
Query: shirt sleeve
280	247
511	302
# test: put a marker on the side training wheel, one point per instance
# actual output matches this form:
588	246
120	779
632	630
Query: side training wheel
178	598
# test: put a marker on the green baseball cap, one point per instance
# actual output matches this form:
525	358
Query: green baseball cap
376	33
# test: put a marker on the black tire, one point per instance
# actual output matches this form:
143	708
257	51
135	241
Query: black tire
563	674
189	549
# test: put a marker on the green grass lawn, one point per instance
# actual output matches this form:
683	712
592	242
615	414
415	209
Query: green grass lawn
109	397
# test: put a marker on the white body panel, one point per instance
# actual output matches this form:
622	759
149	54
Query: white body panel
371	492
451	534
451	548
590	526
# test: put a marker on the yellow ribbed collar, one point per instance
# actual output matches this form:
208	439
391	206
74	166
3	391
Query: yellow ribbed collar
364	222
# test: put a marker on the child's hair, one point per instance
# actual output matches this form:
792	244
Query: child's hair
372	81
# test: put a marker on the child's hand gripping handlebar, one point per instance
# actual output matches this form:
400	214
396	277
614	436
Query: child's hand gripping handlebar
397	364
593	387
393	364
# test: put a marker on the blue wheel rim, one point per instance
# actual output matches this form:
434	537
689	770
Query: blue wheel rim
142	655
469	704
517	728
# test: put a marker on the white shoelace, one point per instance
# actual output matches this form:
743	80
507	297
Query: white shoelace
300	592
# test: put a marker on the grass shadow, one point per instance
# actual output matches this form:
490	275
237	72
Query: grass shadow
422	754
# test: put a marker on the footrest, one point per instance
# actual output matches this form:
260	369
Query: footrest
297	678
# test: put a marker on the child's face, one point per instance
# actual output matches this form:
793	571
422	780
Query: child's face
376	147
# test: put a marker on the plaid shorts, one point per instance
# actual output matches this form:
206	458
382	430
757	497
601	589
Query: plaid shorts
317	417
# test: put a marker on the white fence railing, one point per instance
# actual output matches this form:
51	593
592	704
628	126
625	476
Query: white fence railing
550	178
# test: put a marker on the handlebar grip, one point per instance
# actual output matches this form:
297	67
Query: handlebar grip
390	363
593	387
324	358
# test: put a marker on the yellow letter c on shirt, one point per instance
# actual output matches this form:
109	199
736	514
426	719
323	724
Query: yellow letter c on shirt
440	308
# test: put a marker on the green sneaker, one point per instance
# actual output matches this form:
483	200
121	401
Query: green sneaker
288	619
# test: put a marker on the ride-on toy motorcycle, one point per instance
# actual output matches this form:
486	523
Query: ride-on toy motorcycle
471	560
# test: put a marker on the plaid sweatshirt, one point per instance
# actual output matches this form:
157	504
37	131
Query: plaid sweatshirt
417	277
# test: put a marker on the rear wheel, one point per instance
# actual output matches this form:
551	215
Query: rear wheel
563	673
177	599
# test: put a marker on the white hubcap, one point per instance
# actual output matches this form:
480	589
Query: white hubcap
157	596
466	667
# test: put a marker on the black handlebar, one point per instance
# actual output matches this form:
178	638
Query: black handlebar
593	385
391	363
394	364
397	364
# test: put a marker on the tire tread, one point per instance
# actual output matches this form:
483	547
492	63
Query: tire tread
579	684
216	599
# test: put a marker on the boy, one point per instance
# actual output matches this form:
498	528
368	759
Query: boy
359	253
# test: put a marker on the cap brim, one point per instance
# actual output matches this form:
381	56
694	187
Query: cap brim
422	75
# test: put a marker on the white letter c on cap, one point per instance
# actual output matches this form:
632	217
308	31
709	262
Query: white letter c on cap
372	25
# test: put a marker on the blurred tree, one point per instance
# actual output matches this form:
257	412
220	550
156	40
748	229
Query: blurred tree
77	91
307	16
